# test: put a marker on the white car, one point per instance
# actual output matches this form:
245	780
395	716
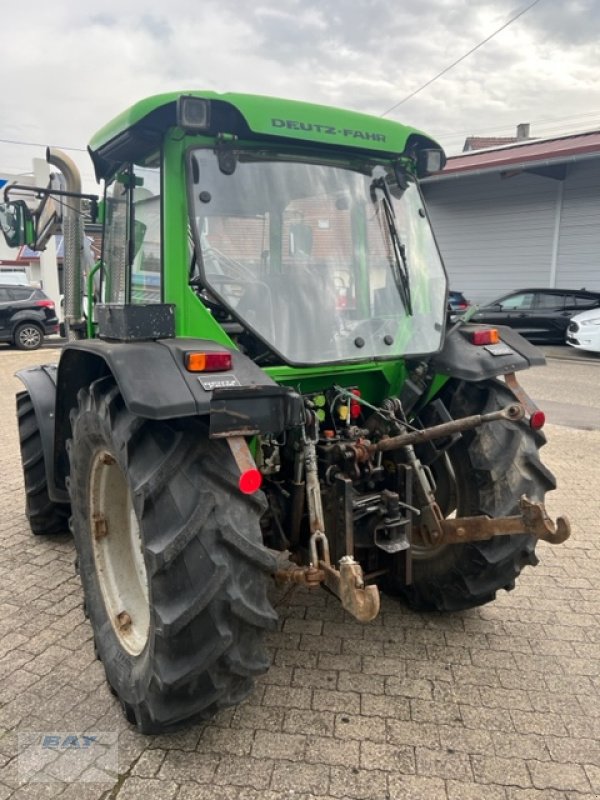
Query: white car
584	331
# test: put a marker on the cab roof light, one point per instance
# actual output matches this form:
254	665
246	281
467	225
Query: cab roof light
193	114
486	336
207	362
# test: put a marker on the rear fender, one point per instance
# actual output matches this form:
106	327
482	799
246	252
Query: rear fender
40	382
154	383
460	358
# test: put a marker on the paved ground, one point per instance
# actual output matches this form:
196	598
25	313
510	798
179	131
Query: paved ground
500	703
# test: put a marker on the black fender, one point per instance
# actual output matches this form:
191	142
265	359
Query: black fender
40	382
155	384
460	358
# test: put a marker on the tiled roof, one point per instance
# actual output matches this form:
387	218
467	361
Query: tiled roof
481	142
523	154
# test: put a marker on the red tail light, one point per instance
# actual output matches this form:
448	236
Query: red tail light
45	303
207	362
486	336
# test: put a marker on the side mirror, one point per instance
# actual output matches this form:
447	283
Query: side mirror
16	223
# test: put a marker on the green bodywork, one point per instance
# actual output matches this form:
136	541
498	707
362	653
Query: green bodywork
152	124
271	116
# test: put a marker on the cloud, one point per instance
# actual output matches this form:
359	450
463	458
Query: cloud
77	67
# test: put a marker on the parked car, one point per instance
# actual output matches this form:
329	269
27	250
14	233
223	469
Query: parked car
584	331
457	302
541	315
26	316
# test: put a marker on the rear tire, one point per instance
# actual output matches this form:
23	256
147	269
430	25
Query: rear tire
491	467
28	336
44	515
204	564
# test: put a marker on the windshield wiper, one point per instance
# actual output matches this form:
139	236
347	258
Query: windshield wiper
400	266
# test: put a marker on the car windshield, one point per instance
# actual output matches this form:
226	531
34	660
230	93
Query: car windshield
324	262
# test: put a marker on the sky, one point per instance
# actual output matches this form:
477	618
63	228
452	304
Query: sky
70	66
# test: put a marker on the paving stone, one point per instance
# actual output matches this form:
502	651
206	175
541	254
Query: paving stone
148	764
503	771
392	757
443	763
296	778
593	774
227	740
357	784
415	787
466	740
412	733
284	745
252	772
358	682
320	723
379	705
554	775
513	793
149	789
338	702
179	765
359	727
457	790
336	752
258	718
403	708
286	697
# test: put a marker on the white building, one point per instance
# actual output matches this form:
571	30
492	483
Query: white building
521	215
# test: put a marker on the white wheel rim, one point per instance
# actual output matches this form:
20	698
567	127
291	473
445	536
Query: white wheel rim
117	548
29	337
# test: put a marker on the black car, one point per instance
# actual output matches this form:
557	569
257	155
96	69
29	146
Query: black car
541	315
26	316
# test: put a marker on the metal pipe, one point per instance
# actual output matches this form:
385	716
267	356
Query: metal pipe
511	413
73	239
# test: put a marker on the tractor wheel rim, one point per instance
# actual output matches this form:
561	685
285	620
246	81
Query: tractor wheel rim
30	337
117	548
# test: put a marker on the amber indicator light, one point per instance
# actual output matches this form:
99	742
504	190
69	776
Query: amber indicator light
207	362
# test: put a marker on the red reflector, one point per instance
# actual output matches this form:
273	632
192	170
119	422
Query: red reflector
45	303
354	405
537	420
250	481
488	336
207	362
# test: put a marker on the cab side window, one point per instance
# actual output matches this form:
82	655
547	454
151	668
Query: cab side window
132	253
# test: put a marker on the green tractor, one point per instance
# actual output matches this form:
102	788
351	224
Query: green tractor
264	383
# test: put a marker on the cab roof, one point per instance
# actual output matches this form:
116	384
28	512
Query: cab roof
140	128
